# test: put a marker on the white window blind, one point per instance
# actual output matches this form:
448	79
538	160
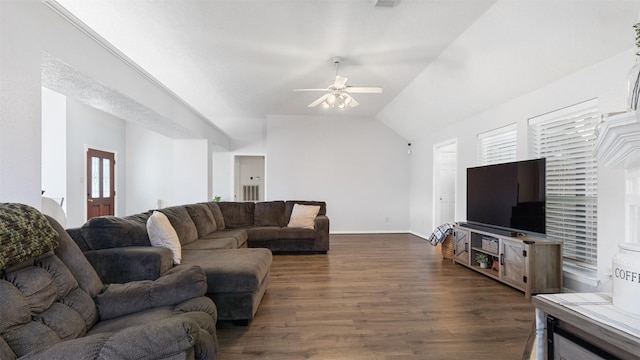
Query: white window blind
497	146
566	138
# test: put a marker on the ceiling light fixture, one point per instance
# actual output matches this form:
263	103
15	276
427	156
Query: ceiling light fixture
337	99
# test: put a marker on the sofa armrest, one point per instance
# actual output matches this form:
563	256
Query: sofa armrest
321	225
172	338
130	263
176	286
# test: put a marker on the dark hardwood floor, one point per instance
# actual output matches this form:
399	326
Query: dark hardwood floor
382	296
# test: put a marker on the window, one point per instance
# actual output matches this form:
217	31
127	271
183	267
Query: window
566	138
497	146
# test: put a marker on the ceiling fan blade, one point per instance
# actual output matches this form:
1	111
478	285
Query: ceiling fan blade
340	83
363	89
353	102
319	100
311	90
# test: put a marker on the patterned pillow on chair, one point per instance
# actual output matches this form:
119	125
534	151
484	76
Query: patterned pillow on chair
24	234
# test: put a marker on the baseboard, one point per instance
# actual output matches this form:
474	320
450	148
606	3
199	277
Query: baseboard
369	232
426	237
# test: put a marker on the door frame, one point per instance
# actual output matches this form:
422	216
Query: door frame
436	181
233	172
115	178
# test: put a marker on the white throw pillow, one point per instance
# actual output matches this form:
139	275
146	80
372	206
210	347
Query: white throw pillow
303	216
162	234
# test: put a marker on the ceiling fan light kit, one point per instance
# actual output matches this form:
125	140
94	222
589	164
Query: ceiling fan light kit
337	99
337	95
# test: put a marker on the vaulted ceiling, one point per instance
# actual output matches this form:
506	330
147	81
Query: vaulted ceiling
237	61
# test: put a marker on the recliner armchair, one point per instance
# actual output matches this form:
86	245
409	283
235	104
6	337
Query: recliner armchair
54	306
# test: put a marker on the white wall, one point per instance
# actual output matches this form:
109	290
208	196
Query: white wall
222	186
54	145
164	172
191	169
91	128
20	96
357	165
149	169
605	81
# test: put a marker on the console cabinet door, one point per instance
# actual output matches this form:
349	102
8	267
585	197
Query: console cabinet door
461	246
513	262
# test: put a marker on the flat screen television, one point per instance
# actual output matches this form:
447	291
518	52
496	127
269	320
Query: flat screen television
508	196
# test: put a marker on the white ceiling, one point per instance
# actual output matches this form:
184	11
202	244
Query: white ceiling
237	61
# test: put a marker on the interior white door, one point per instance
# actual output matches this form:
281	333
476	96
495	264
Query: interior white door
445	184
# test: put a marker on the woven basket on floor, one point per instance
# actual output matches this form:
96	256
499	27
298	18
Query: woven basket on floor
447	248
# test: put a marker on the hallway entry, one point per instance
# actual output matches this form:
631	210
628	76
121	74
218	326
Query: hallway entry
249	178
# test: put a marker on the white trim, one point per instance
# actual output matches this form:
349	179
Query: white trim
562	112
233	173
500	130
356	232
425	237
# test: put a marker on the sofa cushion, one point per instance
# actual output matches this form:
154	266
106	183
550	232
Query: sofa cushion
106	232
42	305
162	234
303	216
231	270
240	235
182	223
69	252
263	233
237	215
202	218
212	244
217	214
269	213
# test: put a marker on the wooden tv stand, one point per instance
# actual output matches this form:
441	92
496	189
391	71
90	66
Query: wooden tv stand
532	265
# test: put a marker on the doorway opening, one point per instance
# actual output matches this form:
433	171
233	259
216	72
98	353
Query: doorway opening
101	191
444	182
249	178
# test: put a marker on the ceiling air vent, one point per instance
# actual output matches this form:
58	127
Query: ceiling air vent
384	3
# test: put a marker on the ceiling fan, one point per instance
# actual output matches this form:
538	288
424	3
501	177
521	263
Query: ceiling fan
338	93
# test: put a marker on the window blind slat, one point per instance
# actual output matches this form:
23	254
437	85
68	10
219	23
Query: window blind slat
566	138
497	146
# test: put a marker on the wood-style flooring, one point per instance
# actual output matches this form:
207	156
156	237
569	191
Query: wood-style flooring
380	296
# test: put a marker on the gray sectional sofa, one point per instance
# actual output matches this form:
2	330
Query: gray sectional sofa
53	305
230	241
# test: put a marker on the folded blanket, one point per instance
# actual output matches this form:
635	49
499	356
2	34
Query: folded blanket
440	233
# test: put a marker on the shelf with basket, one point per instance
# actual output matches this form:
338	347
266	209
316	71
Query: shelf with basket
485	253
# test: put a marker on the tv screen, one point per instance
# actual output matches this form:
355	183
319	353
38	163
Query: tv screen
509	195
